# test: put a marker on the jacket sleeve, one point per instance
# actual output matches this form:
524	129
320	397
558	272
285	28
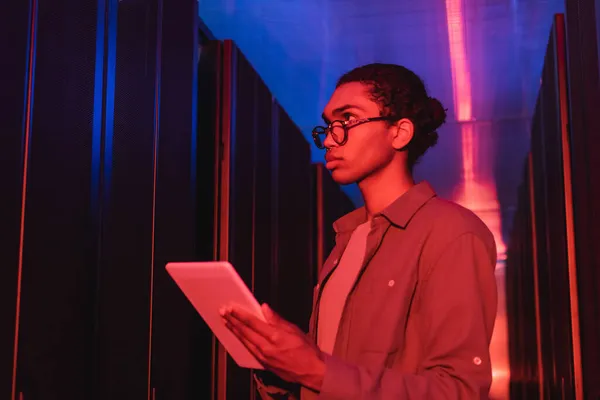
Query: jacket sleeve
459	303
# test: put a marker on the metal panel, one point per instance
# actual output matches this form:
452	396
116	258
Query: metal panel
181	341
16	97
583	41
56	318
126	262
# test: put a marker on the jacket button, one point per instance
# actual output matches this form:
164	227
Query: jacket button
391	283
477	361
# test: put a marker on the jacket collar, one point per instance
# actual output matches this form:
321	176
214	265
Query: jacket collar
399	213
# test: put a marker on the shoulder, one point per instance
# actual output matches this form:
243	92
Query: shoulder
455	218
445	222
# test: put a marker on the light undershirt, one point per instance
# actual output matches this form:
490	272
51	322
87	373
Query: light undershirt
338	286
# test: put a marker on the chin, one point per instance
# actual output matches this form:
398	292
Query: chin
342	177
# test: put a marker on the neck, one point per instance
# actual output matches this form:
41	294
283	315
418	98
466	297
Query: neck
383	187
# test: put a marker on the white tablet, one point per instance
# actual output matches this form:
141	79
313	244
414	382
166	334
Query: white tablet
210	286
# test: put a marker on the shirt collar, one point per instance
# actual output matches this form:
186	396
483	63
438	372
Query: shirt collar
399	213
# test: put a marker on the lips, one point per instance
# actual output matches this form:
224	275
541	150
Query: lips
331	161
329	157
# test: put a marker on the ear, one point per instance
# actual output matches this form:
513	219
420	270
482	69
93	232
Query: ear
403	132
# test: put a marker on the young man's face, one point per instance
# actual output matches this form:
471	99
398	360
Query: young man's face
370	147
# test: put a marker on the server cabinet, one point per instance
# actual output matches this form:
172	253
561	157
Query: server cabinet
264	197
583	41
150	341
100	186
126	261
53	321
15	131
547	216
180	342
295	204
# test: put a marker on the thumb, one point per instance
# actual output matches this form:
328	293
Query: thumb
269	314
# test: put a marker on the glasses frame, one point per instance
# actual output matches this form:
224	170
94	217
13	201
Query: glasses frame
346	125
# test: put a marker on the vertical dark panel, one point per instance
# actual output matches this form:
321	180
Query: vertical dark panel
243	122
16	24
180	340
553	243
102	134
264	191
583	41
275	203
209	108
125	269
514	253
245	115
249	118
543	116
92	167
208	117
223	156
545	345
548	195
530	307
295	224
58	275
545	124
523	291
242	202
556	242
235	197
567	234
265	205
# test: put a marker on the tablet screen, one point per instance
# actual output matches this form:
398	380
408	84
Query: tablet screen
210	286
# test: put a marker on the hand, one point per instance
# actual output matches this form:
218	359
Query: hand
279	345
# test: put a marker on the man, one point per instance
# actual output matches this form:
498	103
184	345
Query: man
406	302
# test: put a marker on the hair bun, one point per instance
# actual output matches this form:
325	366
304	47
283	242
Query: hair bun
436	113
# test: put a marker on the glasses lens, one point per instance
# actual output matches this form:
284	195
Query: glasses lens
338	133
318	135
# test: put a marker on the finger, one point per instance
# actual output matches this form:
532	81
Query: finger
245	331
270	315
251	346
264	356
252	321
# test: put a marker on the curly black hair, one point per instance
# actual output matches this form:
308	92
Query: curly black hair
402	94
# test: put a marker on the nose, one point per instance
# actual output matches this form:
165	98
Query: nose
328	142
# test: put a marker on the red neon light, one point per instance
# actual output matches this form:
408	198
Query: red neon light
477	190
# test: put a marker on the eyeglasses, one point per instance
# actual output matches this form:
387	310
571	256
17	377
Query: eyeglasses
339	130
